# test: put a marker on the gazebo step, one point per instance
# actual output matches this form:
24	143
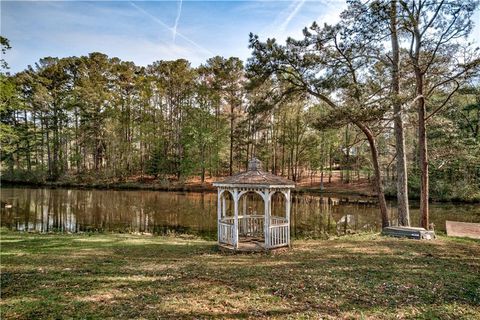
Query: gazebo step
244	247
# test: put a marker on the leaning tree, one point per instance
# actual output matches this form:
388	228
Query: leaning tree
331	66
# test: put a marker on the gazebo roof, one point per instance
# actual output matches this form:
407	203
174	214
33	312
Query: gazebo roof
255	177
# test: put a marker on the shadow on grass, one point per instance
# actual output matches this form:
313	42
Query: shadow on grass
122	276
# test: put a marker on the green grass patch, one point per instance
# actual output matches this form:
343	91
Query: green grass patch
100	276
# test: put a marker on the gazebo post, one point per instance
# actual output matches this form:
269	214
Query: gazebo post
244	221
287	213
235	220
224	206
266	199
219	212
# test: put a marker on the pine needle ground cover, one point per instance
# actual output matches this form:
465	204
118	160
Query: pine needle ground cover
117	276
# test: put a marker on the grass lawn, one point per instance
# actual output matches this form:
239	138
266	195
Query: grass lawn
127	276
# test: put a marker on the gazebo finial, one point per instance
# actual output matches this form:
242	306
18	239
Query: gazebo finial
254	164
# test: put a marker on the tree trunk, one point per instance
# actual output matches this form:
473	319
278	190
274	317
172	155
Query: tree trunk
56	143
203	165
376	165
47	142
423	156
422	132
347	158
330	164
27	152
274	148
321	177
231	138
378	177
401	158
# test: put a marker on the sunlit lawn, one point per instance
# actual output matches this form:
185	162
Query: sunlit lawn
127	276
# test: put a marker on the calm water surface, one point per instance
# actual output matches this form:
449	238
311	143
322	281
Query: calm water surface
156	212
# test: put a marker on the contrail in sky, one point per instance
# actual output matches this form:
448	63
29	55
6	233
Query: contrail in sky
163	24
179	12
292	15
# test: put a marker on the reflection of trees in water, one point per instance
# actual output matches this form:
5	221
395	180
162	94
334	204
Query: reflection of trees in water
62	210
154	212
160	212
320	216
312	216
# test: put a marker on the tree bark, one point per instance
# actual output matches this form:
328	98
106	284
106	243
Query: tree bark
27	152
347	158
378	177
330	164
231	139
402	175
422	131
423	154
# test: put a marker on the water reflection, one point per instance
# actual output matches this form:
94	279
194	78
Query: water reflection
65	210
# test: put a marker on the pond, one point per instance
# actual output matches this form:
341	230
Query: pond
157	212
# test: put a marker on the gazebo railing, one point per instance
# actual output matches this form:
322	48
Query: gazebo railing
251	225
279	234
275	220
254	226
226	231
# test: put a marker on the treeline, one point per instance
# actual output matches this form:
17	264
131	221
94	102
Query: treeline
100	117
364	96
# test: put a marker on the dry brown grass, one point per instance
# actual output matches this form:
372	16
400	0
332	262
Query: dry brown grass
126	276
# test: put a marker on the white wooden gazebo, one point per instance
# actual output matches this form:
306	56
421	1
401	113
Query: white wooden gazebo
248	230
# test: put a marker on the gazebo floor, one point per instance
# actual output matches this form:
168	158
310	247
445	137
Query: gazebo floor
246	244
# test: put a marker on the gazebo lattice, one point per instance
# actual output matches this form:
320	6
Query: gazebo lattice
268	230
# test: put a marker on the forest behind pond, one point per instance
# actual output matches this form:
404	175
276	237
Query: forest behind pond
391	97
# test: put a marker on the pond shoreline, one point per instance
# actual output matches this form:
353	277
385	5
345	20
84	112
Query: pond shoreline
196	187
208	188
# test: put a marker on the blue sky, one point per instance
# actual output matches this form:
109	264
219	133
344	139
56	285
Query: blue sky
147	31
